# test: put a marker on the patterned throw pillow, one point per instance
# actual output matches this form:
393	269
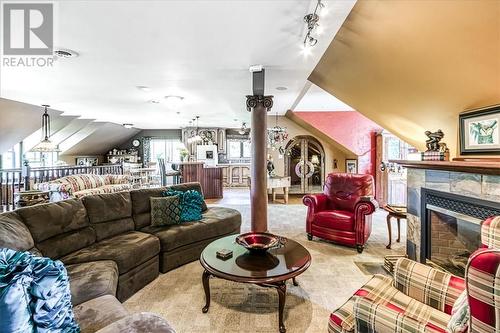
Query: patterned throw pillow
460	315
191	204
165	210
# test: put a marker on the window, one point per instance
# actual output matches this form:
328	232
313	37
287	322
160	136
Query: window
38	159
168	149
11	159
238	149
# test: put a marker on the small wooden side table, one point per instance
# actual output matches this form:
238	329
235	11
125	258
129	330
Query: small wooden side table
397	212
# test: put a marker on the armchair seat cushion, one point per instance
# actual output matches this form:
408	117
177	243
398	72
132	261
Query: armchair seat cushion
335	219
127	250
385	300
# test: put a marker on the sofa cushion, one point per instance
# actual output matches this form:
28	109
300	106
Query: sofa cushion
141	206
127	250
216	221
335	219
98	313
14	234
58	228
84	181
110	214
49	220
92	279
165	211
102	190
139	323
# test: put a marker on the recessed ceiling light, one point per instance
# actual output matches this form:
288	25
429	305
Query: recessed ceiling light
128	125
144	88
65	53
281	88
154	101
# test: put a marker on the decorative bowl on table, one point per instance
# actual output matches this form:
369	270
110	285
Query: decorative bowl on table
258	241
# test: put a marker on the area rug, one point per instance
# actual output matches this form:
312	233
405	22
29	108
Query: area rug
332	278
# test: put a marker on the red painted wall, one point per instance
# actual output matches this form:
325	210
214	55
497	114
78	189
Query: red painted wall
350	129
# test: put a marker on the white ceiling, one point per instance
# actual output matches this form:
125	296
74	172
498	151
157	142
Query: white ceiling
198	49
316	99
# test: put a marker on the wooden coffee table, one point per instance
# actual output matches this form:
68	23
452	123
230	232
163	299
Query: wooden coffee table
271	269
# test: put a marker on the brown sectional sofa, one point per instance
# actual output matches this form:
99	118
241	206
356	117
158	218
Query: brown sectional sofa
111	251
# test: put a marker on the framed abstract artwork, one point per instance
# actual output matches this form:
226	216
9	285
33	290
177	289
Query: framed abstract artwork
479	131
351	166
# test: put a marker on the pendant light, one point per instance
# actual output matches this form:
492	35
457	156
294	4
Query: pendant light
45	146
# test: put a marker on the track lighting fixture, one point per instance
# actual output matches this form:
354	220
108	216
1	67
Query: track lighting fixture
312	22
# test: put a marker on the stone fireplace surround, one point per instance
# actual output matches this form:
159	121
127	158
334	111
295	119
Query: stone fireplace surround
474	188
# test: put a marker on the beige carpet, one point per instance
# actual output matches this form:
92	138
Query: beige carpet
335	273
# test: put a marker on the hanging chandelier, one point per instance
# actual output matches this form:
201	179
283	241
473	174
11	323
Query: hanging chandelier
195	137
276	135
45	146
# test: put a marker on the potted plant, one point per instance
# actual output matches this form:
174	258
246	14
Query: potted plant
184	153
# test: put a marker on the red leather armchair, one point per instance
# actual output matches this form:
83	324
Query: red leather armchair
342	213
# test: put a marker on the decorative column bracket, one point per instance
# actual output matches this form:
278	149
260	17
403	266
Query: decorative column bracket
254	101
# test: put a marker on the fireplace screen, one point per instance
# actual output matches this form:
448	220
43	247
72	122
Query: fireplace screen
453	238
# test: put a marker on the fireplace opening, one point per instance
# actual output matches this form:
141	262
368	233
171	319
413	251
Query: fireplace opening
454	237
451	228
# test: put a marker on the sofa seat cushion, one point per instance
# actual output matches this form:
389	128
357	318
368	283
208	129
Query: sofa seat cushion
98	313
92	279
216	221
335	219
103	189
127	250
380	291
139	323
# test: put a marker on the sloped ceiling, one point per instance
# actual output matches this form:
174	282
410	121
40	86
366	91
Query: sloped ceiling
18	121
105	137
412	66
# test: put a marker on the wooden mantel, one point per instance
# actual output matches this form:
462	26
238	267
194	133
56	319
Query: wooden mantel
481	167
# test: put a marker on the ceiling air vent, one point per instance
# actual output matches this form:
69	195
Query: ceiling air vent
61	53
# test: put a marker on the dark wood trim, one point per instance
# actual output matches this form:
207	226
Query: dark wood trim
486	167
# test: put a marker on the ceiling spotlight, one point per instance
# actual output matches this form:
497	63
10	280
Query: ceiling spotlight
312	41
128	125
154	101
173	101
144	88
65	53
281	88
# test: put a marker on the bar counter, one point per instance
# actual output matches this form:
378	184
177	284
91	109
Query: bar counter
210	178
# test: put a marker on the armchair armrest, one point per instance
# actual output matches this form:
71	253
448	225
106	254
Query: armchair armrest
482	289
315	203
371	316
427	285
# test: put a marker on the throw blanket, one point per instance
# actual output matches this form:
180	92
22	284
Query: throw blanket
34	294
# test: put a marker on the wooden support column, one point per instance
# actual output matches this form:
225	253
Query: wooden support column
259	106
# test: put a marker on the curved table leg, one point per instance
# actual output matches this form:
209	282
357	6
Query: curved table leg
206	285
282	297
295	283
399	230
389	228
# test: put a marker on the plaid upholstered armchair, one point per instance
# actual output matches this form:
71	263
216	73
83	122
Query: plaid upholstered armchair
420	298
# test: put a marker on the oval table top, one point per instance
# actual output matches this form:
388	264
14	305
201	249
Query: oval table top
277	264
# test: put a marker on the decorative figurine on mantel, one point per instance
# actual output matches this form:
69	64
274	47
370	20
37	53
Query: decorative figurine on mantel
436	150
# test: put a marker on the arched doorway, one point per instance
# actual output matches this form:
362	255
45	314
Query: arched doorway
305	164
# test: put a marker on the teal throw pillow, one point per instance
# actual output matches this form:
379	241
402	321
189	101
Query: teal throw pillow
165	210
191	204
